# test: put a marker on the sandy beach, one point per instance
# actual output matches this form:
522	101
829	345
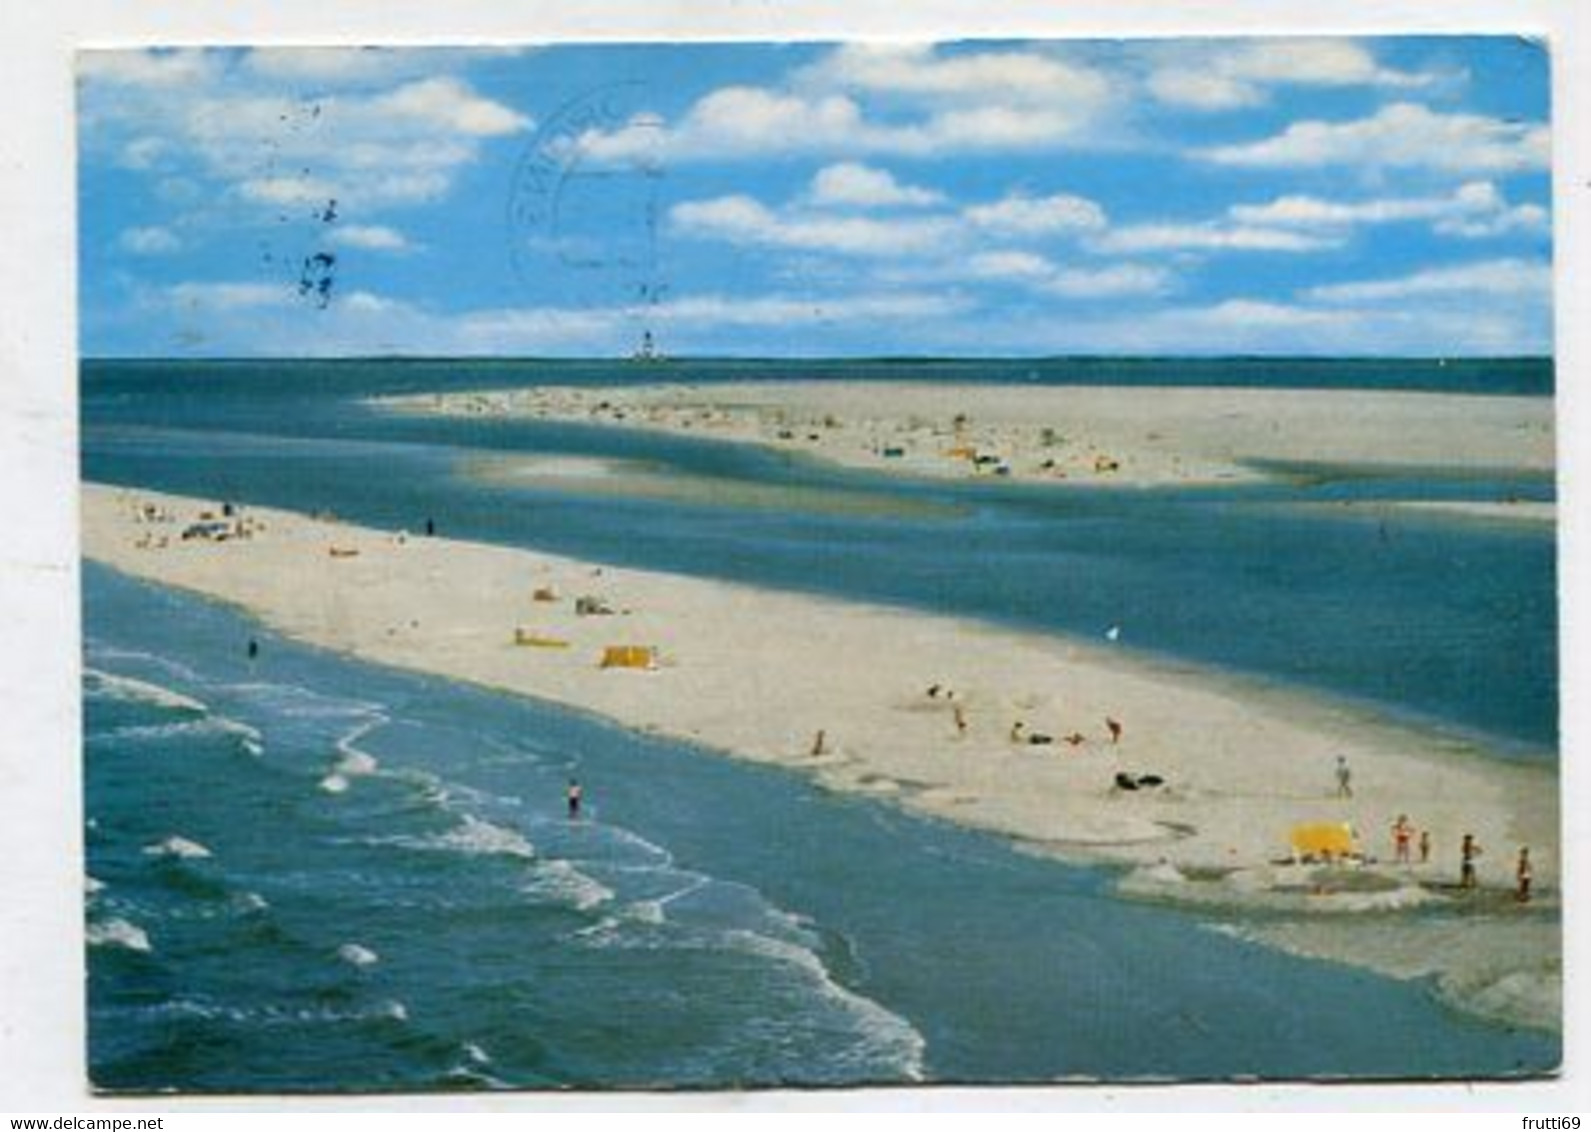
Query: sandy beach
1057	434
842	691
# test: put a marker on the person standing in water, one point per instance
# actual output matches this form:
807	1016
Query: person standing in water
1467	852
1523	873
574	794
254	648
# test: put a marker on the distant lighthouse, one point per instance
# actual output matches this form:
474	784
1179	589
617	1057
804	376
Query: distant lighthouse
647	350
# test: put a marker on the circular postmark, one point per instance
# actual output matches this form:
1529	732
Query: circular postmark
584	206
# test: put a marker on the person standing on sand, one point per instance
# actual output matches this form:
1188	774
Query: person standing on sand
1344	778
1523	873
1467	852
1402	831
820	743
1425	846
961	720
1115	729
573	794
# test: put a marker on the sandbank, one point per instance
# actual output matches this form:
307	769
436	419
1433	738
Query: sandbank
762	674
1099	436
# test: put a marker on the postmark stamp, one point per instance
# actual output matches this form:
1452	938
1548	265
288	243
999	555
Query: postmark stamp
585	203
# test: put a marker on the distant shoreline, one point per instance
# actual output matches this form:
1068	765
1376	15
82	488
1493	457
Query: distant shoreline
1095	436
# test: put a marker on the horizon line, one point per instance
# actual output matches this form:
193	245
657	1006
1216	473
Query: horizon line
664	362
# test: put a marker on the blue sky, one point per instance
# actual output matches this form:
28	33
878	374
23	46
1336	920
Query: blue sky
1305	196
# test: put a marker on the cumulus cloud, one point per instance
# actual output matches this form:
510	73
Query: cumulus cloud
931	103
1210	236
1404	134
1473	210
240	121
851	184
370	237
922	71
1035	216
1498	278
1111	282
1041	275
1224	77
740	219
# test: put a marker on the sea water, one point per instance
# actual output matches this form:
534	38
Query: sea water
307	873
1450	621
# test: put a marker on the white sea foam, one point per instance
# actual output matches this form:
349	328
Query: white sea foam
476	1054
111	686
303	703
334	784
248	737
357	762
883	1036
276	1013
561	881
358	955
118	933
98	651
92	886
646	911
179	847
473	835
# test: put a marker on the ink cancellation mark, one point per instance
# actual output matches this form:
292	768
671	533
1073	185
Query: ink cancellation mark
585	202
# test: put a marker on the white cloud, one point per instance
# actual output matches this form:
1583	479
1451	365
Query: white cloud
370	237
1202	77
1490	279
1401	135
1137	239
1472	210
920	71
741	220
1108	282
1041	274
931	104
1035	216
245	125
1017	265
863	186
148	241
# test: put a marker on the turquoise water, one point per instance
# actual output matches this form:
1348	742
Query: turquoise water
388	895
440	924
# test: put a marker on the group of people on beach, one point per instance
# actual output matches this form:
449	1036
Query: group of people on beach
1019	733
1404	843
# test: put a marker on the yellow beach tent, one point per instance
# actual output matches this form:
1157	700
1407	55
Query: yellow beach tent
1324	840
629	656
528	638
